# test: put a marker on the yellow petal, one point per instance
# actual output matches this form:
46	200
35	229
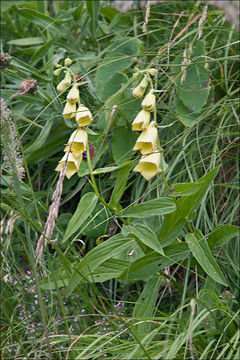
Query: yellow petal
72	164
148	166
63	85
149	102
73	95
78	142
84	116
69	110
138	92
146	142
141	121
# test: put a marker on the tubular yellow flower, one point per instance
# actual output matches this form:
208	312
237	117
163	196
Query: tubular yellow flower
149	102
138	92
78	142
141	121
73	95
144	83
84	116
148	166
72	164
63	85
69	110
146	142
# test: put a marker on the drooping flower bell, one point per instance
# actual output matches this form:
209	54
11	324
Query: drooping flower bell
146	142
77	142
69	110
141	121
64	84
148	165
149	101
73	95
139	91
152	71
72	164
83	116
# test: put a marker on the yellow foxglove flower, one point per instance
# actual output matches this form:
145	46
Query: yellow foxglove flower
78	142
72	164
144	83
84	116
64	84
148	165
146	142
69	110
141	121
73	95
149	102
138	92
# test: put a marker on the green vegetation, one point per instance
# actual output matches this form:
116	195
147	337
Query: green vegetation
107	263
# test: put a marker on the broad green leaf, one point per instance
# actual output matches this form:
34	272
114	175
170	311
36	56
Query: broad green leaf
6	4
96	257
83	211
153	262
222	234
26	41
123	141
118	58
154	207
146	236
120	185
173	223
186	116
185	189
144	307
198	246
40	19
41	139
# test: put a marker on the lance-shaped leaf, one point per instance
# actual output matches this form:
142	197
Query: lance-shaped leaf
146	236
154	207
199	248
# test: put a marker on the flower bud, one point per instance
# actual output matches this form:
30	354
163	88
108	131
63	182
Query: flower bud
152	71
138	92
135	75
146	142
73	95
72	164
141	121
78	143
149	101
64	84
148	165
56	65
67	62
57	72
144	83
84	116
69	110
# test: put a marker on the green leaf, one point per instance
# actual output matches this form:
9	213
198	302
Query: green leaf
173	223
41	139
146	236
28	69
93	10
123	141
198	246
83	211
42	51
108	169
40	19
144	307
185	189
154	207
96	257
187	116
222	234
120	185
153	262
26	41
119	57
